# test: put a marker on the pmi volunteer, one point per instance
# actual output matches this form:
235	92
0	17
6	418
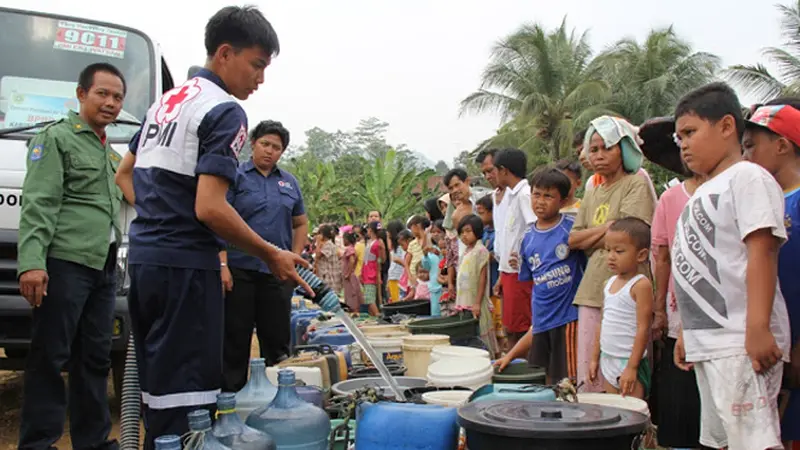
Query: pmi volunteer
67	251
177	174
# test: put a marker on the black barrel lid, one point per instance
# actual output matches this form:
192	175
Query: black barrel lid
549	420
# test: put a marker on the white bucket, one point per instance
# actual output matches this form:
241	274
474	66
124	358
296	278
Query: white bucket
311	376
616	401
440	352
370	330
417	352
389	346
466	372
452	399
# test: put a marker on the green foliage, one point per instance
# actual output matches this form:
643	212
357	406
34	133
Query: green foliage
757	80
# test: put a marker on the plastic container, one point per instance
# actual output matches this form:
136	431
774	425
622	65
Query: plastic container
200	437
406	426
417	352
409	307
451	399
331	336
311	376
257	392
390	347
459	327
371	372
441	352
349	386
520	373
414	395
370	330
518	425
468	372
525	392
341	439
311	394
230	430
616	401
296	327
291	421
168	442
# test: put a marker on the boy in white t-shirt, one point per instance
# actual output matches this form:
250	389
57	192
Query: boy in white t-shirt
724	263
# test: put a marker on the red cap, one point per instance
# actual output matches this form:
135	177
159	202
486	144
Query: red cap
783	120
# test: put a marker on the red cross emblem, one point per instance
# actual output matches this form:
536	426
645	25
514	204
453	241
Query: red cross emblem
172	101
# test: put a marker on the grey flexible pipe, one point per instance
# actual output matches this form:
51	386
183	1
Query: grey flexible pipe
131	408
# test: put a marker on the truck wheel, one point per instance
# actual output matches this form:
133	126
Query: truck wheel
117	372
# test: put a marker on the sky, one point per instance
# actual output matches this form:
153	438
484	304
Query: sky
411	62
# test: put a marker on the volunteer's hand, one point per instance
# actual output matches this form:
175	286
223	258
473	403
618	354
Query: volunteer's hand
659	325
227	279
762	348
502	363
476	311
679	357
627	381
33	286
513	261
593	368
283	267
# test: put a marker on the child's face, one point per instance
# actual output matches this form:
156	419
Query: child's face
436	233
765	149
417	229
605	161
468	236
546	202
704	145
623	256
574	180
485	215
423	275
403	243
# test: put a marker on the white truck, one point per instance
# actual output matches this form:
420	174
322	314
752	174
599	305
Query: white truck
42	55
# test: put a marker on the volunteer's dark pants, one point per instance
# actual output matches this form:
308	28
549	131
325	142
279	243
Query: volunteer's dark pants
257	299
72	328
177	319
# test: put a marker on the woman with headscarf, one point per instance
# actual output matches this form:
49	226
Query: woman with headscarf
613	151
431	206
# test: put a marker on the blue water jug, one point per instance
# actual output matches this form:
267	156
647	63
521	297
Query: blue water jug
299	323
230	430
332	336
168	442
510	391
291	421
200	437
406	426
257	392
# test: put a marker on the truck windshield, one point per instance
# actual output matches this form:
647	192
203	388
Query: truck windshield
42	57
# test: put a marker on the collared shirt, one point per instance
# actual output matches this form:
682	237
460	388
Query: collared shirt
451	208
71	198
518	219
195	129
268	204
499	214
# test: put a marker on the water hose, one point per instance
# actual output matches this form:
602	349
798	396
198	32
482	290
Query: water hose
130	410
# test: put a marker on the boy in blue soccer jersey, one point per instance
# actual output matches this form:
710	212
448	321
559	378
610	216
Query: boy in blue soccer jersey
772	140
556	273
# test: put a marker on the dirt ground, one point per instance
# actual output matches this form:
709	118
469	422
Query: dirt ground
11	401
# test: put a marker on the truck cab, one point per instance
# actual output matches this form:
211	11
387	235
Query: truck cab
42	56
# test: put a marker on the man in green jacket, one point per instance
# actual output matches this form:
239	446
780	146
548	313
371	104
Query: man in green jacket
68	232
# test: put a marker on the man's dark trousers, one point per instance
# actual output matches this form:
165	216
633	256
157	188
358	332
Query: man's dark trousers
71	329
262	300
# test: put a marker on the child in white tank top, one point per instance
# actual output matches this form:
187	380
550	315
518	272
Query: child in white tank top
622	339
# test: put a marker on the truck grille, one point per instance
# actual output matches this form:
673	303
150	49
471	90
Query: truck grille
8	263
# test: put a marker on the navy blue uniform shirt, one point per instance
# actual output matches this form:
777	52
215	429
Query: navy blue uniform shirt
267	204
194	129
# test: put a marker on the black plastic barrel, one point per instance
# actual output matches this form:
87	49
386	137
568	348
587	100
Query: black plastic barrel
524	425
409	307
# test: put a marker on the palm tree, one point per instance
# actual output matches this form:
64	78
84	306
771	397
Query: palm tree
757	80
538	81
648	79
389	186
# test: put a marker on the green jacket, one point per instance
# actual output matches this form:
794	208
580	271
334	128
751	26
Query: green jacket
70	200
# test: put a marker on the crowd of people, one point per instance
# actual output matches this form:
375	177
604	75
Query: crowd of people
689	300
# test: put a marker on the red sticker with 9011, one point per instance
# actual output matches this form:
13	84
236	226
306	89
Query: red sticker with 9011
94	39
